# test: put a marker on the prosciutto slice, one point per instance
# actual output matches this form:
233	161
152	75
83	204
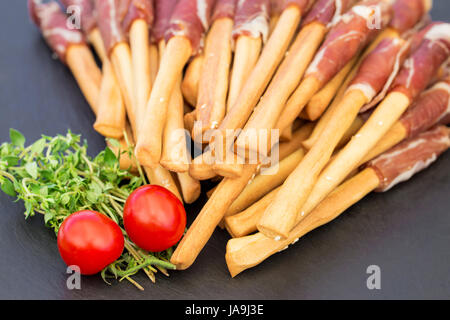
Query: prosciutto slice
110	23
191	19
303	5
328	12
420	68
252	19
432	107
163	12
349	36
224	9
53	24
136	10
87	13
378	70
407	13
410	157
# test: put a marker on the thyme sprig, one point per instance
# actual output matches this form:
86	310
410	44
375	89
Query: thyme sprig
55	177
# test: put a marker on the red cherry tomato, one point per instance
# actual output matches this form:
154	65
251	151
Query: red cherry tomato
90	240
154	218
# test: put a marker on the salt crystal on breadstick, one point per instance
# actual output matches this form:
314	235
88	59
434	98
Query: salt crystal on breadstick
189	21
395	166
417	72
213	85
432	107
345	40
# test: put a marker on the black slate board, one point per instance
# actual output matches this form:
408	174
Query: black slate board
406	231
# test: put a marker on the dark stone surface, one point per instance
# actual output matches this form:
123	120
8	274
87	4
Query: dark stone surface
405	231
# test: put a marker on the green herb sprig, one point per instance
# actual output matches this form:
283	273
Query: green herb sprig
55	177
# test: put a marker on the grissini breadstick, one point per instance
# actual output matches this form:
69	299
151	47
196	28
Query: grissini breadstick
375	73
190	187
207	220
201	167
111	115
344	41
175	155
396	166
109	20
154	60
433	106
189	21
71	49
322	99
262	73
417	72
213	85
407	16
191	80
136	23
250	30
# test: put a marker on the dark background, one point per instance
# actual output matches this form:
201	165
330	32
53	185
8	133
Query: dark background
405	231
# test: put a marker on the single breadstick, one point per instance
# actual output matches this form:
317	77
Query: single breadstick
213	85
246	55
264	183
190	187
251	29
382	175
207	220
163	178
191	79
95	38
111	116
154	61
322	99
189	120
175	155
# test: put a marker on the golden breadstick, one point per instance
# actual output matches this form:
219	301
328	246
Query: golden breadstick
191	80
213	85
246	55
190	187
111	116
95	38
208	219
142	82
163	178
201	167
175	155
189	120
244	253
149	143
154	61
322	99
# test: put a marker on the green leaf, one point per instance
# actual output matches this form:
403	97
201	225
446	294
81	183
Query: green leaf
48	216
8	188
109	157
11	160
32	170
38	146
17	138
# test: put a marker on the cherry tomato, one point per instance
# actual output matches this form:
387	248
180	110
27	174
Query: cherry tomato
90	240
154	218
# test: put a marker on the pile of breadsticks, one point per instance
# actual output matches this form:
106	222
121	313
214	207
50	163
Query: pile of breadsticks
300	108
